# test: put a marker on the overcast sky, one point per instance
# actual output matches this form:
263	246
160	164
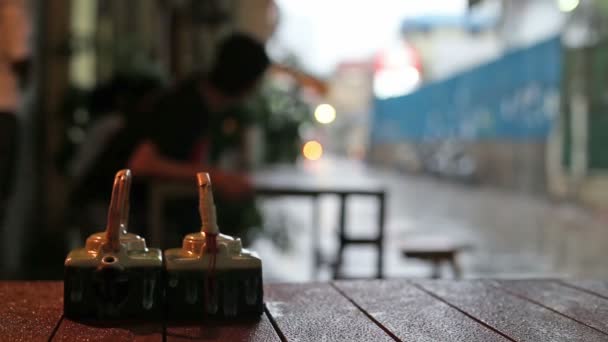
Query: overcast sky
323	33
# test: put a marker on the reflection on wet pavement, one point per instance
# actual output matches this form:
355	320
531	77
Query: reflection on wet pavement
512	234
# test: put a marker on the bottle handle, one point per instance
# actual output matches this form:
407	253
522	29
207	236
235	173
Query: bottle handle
118	212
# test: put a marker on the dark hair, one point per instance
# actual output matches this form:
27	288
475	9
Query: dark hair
239	62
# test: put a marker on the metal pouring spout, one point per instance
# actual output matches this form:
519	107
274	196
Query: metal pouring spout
206	204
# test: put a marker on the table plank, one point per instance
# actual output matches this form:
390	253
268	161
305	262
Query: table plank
596	286
531	310
261	330
578	305
79	331
29	311
515	317
318	312
413	315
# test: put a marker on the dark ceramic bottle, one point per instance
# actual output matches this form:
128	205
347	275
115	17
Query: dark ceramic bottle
212	276
115	276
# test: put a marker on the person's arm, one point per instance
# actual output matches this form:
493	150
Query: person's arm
147	161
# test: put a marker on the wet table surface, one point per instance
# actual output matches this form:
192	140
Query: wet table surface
372	310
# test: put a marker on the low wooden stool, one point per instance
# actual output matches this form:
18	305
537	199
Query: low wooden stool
436	251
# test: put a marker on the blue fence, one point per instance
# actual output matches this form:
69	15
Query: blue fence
513	98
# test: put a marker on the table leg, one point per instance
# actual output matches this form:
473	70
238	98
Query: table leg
341	237
315	238
456	271
436	271
380	242
155	217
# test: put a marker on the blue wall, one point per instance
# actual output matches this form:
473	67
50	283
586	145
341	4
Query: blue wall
515	97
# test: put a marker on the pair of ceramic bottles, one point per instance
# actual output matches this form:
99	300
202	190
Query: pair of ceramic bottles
115	276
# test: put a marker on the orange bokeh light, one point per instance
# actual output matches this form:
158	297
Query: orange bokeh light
312	150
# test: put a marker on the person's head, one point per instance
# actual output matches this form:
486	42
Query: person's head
239	64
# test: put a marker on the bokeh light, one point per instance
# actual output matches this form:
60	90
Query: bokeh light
325	113
567	5
312	150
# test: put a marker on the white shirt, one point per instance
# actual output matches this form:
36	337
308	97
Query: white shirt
14	32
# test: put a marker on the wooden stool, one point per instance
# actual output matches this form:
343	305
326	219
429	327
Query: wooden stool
435	250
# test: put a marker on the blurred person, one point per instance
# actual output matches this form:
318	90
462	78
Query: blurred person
14	61
169	138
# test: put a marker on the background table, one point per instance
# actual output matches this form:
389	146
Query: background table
374	310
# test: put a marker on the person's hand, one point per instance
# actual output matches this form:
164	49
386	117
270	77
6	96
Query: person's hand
233	185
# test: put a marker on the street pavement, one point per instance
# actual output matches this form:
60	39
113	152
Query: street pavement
511	234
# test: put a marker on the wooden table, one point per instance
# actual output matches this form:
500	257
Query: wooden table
292	181
374	310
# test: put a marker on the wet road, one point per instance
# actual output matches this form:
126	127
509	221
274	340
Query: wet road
511	234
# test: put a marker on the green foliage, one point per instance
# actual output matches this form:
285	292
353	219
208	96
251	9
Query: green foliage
281	113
